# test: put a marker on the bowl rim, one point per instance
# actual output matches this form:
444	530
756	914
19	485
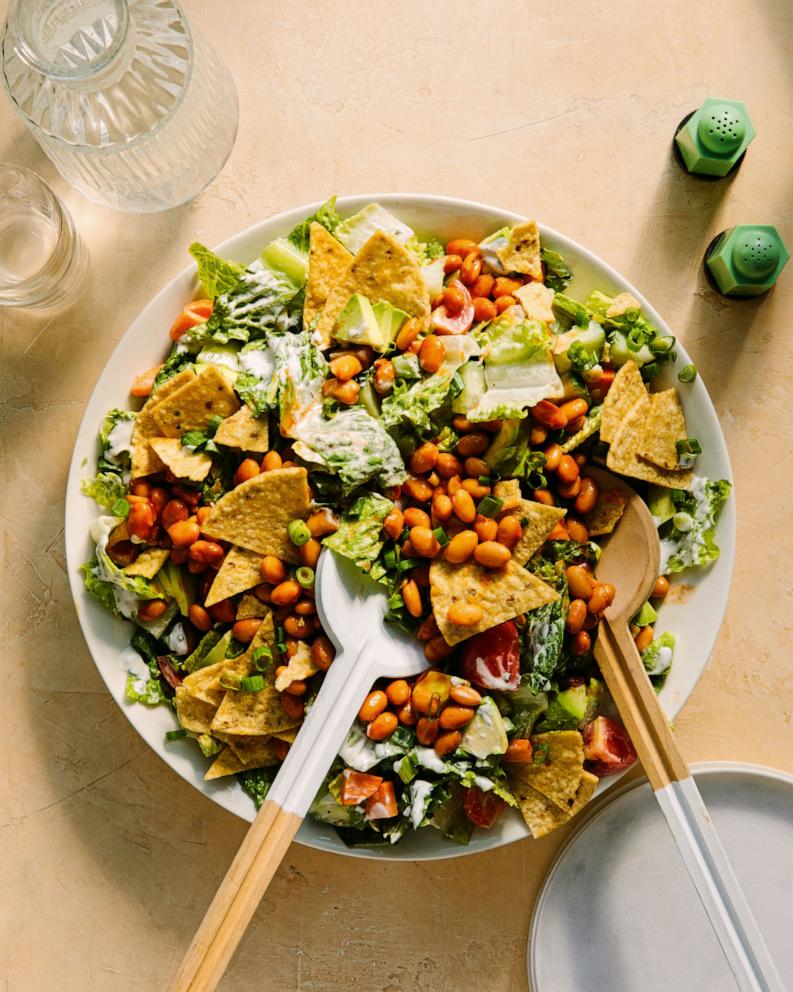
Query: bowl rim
85	443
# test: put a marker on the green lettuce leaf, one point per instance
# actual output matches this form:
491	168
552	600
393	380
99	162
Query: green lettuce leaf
543	637
557	272
413	404
107	490
360	533
510	454
141	688
327	216
217	275
257	781
296	384
694	545
657	656
96	586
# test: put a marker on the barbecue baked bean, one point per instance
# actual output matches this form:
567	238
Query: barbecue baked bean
473	444
199	617
286	593
223	612
245	630
454	297
509	531
471	268
643	638
476	467
322	522
448	742
549	415
602	597
152	609
483	285
408	333
209	552
271	461
491	554
398	692
580	582
384	376
323	652
447	465
571	490
306	608
418	490
477	489
580	644
299	627
436	649
309	552
465	695
553	455
454	717
577	530
248	468
451	264
431	353
140	519
394	523
504	286
414	517
504	303
294	707
461	547
576	615
382	726
184	533
661	588
343	392
428	628
463	506
406	715
441	507
567	469
424	542
453	484
587	497
574	408
427	731
484	309
461	247
424	458
543	496
374	704
411	597
486	528
272	569
465	614
345	367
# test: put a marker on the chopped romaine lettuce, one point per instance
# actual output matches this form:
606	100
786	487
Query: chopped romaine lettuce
257	781
448	814
690	538
258	303
96	586
115	437
355	231
543	637
510	454
425	251
525	707
128	590
217	275
107	490
326	215
557	273
592	426
296	383
359	536
412	405
144	683
657	656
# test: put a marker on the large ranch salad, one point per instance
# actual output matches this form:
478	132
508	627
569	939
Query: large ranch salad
429	411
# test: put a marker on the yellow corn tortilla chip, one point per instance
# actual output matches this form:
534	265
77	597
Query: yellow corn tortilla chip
192	407
184	463
536	300
148	563
255	515
194	714
382	270
559	776
301	666
287	735
665	426
622	303
626	391
251	608
508	491
255	714
586	790
622	455
328	261
241	570
244	431
226	763
205	684
503	593
606	515
540	521
144	460
252	751
541	815
522	252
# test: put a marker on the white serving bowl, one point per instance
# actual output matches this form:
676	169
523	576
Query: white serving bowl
694	618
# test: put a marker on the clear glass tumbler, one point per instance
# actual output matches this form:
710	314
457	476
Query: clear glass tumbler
134	110
42	260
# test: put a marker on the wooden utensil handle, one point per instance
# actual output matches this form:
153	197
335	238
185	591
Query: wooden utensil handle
236	900
638	704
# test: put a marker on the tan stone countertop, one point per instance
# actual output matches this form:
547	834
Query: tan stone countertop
565	112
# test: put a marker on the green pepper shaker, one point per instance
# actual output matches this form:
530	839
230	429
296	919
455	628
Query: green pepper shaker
712	141
746	260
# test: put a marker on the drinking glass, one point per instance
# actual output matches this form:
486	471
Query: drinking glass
42	260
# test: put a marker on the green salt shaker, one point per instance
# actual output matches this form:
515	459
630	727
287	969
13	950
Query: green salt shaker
712	140
746	260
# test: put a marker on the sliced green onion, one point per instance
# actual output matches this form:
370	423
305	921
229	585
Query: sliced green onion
175	735
687	374
688	446
484	480
441	536
192	439
252	683
305	576
120	508
230	682
489	506
683	522
395	602
262	657
390	559
212	426
660	346
298	532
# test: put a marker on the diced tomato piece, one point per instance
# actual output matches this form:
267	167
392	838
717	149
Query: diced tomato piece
519	751
607	747
144	383
382	805
194	313
355	786
443	323
491	660
482	808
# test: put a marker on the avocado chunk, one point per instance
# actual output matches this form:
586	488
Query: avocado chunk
486	733
645	616
659	499
473	377
361	323
574	701
218	652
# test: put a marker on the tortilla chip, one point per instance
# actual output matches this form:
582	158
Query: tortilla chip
503	593
622	455
255	515
251	608
508	491
606	515
226	763
289	736
522	252
192	407
254	714
626	391
184	463
622	303
301	666
144	460
536	300
148	563
586	790
244	431
328	262
559	776
241	570
540	521
204	684
382	270
252	750
541	815
194	714
666	425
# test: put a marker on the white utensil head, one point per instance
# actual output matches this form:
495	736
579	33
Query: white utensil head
352	608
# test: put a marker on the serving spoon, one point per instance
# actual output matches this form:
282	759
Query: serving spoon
352	608
630	561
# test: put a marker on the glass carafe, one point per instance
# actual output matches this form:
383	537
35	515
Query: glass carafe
134	109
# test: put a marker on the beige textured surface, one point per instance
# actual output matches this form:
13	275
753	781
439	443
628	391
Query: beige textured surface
560	111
